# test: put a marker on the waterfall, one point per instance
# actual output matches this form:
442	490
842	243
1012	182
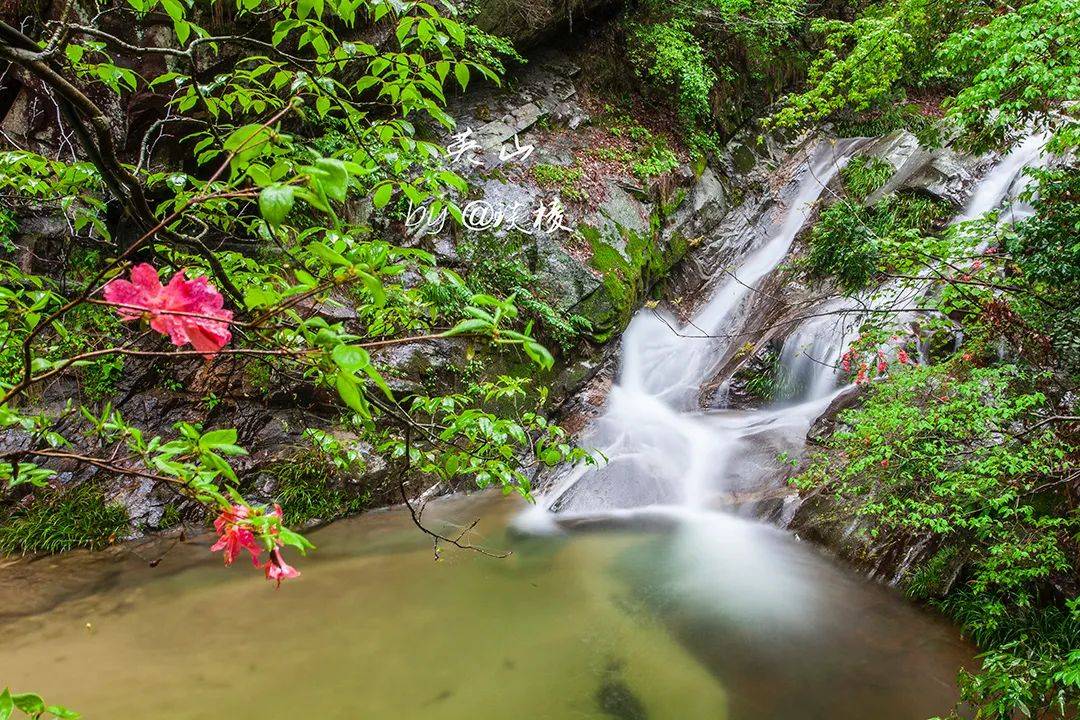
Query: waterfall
656	447
811	354
657	451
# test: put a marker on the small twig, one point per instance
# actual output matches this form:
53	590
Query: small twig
416	514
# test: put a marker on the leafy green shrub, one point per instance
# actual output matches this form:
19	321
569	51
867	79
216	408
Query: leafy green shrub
898	116
496	266
71	518
659	159
563	177
864	174
1045	250
668	53
313	484
852	244
844	247
306	492
954	455
492	51
8	227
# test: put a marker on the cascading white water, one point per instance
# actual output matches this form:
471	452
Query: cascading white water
811	354
658	449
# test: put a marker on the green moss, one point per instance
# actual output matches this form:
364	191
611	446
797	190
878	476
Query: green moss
566	178
627	277
80	517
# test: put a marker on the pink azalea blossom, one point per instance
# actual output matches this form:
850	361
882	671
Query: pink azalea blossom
277	569
235	535
990	251
845	361
882	364
902	357
861	378
188	311
977	265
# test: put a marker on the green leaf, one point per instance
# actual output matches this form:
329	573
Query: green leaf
62	712
216	438
382	195
275	202
472	325
374	287
350	358
326	254
539	354
247	138
29	703
380	382
333	177
461	72
7	705
349	391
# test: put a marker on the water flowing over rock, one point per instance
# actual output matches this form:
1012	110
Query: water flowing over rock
661	449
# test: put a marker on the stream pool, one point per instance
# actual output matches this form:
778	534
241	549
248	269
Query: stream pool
679	616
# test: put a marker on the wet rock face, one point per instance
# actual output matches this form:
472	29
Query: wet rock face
617	234
937	172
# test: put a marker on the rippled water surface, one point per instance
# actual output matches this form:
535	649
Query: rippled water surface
685	616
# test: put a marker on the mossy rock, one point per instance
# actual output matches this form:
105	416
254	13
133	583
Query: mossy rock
627	275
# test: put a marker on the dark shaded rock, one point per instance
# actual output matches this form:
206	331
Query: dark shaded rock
940	173
526	23
617	700
825	425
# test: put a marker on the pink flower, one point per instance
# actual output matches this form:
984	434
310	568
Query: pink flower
967	357
882	365
235	535
188	311
885	463
861	379
277	569
902	357
845	361
977	265
990	251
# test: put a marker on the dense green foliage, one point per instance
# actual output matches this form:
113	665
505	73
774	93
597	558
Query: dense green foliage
854	245
278	148
1006	71
968	463
1046	255
952	456
700	54
972	460
864	174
